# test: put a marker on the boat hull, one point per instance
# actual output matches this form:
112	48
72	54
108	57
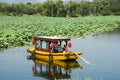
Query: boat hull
47	56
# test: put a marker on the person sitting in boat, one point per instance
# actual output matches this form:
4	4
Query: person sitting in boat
64	48
38	47
60	48
56	47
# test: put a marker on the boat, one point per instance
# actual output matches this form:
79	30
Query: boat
54	70
52	48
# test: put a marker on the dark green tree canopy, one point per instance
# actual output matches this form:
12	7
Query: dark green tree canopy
57	8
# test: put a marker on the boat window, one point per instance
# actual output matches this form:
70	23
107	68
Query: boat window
37	42
43	44
63	43
47	45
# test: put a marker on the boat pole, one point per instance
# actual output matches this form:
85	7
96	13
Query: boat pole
82	58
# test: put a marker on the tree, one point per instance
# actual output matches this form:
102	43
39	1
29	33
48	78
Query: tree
39	8
106	8
71	8
60	8
18	8
48	8
29	9
3	7
84	8
101	7
57	8
115	6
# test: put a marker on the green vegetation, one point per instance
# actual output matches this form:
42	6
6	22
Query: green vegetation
18	31
57	8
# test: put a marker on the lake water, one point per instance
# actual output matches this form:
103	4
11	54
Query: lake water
103	53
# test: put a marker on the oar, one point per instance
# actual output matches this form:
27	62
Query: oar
82	58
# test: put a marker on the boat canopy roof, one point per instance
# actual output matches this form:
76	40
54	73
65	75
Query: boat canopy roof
49	38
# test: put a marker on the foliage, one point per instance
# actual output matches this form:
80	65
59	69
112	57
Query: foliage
57	8
18	31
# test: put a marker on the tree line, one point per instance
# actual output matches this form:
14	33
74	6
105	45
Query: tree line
57	8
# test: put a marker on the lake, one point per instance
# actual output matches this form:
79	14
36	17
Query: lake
102	51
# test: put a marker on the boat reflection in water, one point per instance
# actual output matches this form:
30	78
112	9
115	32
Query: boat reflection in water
55	69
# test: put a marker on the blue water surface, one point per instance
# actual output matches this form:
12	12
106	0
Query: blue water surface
103	53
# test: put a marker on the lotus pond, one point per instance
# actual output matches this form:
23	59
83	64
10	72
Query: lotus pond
18	31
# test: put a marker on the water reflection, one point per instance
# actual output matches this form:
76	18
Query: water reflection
55	69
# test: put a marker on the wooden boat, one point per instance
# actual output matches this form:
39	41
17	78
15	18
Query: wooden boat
47	48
